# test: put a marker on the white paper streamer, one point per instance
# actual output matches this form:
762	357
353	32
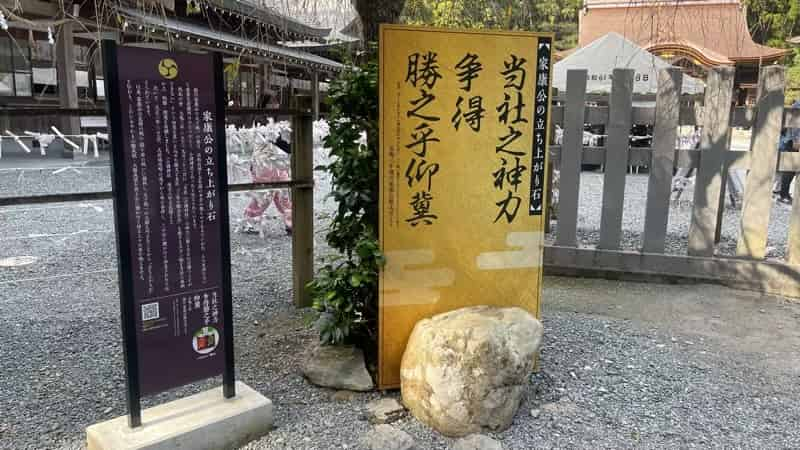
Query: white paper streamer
19	141
64	138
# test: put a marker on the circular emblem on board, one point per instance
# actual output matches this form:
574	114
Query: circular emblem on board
205	340
168	68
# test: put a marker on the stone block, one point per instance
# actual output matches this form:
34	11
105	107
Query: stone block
204	421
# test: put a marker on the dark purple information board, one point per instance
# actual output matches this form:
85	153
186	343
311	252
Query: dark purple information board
167	126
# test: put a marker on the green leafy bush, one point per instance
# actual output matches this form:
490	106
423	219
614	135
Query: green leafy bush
345	291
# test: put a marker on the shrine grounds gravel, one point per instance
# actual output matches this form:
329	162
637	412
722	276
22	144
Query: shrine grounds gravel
624	365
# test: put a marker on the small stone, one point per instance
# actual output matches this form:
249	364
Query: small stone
108	410
387	437
343	396
535	413
384	410
338	367
476	442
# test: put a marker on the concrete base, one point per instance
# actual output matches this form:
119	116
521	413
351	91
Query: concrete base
203	421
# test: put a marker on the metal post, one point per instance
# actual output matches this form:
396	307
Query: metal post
118	184
229	374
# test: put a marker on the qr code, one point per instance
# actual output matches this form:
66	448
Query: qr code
149	311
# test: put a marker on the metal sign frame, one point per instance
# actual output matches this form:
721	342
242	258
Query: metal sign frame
120	197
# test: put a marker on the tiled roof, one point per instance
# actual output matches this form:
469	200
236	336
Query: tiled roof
268	15
715	31
295	57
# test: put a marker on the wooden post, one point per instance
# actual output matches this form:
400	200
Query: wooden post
713	143
616	162
315	95
793	242
302	208
763	162
67	84
571	155
725	188
659	186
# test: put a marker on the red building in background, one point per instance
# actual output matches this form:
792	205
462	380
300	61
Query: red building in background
693	34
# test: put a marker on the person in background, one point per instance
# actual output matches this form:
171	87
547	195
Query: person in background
260	202
796	131
785	144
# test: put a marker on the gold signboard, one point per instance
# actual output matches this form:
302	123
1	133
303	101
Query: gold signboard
464	129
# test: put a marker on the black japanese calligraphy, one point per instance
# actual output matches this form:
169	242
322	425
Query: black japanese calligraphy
542	101
421	136
509	174
421	204
423	68
423	73
467	70
511	112
419	103
418	169
474	113
507	107
514	73
508	207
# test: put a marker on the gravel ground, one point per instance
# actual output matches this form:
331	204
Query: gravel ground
680	213
612	377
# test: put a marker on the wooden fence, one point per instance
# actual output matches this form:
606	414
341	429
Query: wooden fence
713	160
301	185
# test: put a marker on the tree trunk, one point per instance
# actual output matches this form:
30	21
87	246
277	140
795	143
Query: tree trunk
375	12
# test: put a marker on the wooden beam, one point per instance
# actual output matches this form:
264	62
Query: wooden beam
768	277
714	142
619	129
315	95
28	8
302	209
67	83
659	186
570	181
763	161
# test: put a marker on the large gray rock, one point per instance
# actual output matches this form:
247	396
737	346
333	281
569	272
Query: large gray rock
466	370
387	437
476	442
338	367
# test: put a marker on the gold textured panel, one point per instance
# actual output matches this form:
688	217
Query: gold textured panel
462	181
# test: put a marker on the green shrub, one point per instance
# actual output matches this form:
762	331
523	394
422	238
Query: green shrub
345	291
